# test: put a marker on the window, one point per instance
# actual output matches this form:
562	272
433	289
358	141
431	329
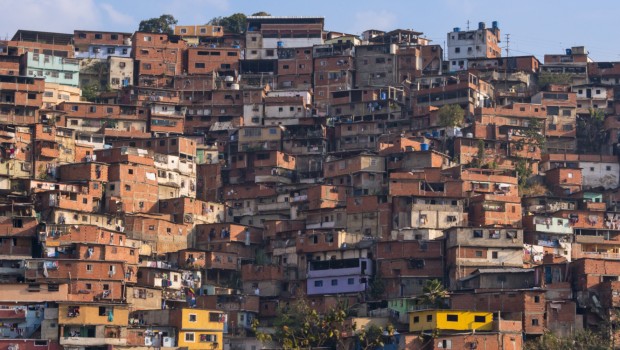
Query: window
106	287
199	65
478	253
457	50
480	319
537	299
452	318
478	234
318	283
192	318
146	66
334	282
189	337
208	338
215	317
429	318
127	188
89	267
350	281
534	322
416	319
494	255
608	168
147	38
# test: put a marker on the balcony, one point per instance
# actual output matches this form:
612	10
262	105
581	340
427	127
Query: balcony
590	239
273	206
345	267
272	178
86	341
319	225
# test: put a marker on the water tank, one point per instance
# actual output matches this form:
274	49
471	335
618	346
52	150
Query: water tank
234	86
280	43
435	133
427	134
569	52
235	46
383	95
229	78
457	29
481	25
495	25
469	135
424	146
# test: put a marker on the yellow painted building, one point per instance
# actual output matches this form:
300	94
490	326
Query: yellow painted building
56	93
93	314
450	320
200	329
192	34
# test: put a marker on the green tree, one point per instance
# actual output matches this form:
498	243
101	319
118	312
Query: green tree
90	92
298	325
480	155
524	171
261	13
450	116
162	24
583	340
373	337
235	23
591	134
433	293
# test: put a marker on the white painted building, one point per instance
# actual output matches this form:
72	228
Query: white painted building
479	43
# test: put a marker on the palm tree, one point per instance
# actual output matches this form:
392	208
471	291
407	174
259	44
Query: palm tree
433	293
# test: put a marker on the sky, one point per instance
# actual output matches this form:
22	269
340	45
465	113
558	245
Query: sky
536	27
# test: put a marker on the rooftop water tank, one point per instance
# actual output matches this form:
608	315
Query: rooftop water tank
481	25
495	25
280	43
457	29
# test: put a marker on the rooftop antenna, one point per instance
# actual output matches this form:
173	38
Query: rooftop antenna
507	45
467	24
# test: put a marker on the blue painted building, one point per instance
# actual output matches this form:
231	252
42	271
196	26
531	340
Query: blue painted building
59	70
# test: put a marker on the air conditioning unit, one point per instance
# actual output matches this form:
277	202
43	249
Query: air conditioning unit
188	218
168	342
26	166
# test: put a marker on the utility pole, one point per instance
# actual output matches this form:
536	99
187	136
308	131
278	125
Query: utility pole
506	61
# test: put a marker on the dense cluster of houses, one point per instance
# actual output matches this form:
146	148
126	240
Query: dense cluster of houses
167	190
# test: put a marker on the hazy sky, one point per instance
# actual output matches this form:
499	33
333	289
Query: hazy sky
535	27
